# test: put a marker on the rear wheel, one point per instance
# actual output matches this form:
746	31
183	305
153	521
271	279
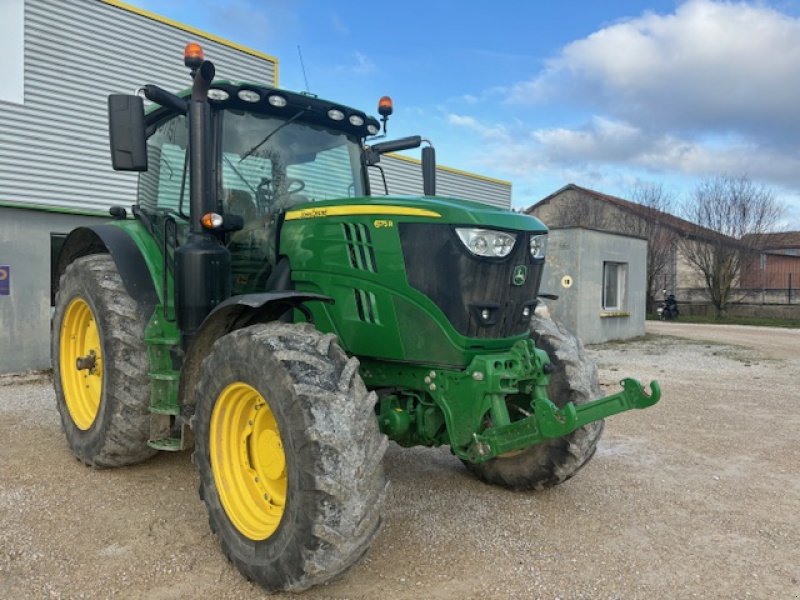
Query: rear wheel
100	365
574	380
289	454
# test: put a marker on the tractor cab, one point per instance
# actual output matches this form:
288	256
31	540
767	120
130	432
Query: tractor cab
271	150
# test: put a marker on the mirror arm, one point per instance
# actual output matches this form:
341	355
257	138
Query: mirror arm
164	98
405	143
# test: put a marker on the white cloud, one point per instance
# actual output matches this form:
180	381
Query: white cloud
605	146
361	65
603	140
708	66
712	88
492	133
364	64
339	25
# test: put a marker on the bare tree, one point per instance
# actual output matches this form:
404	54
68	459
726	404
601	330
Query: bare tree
732	214
650	221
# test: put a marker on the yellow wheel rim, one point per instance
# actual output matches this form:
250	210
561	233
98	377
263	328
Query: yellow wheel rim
248	461
79	346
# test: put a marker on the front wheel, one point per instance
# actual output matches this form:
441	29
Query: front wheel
100	365
289	454
554	461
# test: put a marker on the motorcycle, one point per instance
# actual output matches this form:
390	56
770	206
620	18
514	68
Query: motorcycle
668	311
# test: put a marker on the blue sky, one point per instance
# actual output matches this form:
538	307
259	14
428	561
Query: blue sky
601	94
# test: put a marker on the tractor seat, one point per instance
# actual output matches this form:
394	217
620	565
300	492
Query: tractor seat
240	203
250	246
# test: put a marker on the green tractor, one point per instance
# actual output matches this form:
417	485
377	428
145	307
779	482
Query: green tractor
264	307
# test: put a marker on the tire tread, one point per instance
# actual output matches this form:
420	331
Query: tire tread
339	454
120	436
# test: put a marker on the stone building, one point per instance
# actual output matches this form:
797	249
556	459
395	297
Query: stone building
768	276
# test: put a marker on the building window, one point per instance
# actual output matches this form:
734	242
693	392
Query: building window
614	276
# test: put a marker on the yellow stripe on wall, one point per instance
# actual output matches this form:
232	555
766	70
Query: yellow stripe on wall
194	31
359	209
416	161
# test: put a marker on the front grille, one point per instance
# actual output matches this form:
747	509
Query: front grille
462	285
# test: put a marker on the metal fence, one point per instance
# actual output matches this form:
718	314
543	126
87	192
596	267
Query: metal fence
764	296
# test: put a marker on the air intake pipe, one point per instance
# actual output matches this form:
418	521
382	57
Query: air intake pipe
203	263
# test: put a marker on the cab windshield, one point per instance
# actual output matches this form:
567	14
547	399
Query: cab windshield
270	165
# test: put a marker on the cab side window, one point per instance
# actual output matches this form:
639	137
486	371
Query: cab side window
161	185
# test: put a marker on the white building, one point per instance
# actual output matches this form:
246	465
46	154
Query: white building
599	278
61	59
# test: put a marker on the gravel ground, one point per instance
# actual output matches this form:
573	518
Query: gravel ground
695	497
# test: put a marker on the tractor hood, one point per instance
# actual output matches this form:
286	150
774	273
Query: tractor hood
428	208
409	279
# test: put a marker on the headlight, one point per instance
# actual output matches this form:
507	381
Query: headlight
538	246
485	242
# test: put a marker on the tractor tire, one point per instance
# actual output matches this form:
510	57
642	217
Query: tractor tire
289	454
554	461
104	409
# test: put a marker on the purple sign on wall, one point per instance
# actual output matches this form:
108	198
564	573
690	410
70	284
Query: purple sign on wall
5	280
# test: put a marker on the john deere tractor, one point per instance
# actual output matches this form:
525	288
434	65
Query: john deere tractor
261	304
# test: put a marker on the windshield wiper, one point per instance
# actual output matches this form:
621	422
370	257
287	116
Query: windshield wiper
239	173
270	134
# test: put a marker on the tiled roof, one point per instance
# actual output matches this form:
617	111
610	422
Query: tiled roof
782	240
667	219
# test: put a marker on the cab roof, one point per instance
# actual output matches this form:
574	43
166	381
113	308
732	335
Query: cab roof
283	104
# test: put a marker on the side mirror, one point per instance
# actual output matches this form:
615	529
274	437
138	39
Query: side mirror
429	171
126	132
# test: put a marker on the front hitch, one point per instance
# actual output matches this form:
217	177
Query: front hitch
554	422
549	422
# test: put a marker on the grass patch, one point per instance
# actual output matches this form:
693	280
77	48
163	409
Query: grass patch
732	320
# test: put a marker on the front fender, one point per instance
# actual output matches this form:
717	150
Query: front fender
234	313
108	239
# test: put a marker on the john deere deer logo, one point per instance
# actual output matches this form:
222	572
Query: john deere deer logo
520	275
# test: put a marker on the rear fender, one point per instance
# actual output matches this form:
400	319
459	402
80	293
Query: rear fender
232	314
107	239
